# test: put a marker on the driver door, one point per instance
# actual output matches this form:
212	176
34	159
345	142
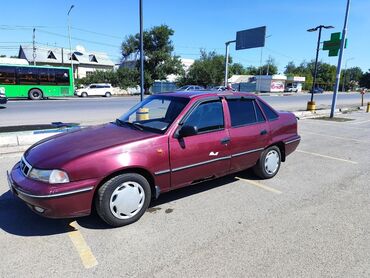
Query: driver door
204	155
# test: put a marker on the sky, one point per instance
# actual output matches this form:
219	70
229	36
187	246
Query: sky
202	24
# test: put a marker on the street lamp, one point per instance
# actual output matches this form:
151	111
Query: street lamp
345	73
311	104
69	36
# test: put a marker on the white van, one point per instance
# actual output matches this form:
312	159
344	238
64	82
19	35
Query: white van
97	89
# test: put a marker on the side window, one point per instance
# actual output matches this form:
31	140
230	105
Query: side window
46	76
62	77
92	86
270	114
242	112
7	75
208	116
28	76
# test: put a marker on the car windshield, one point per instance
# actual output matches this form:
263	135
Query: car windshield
155	114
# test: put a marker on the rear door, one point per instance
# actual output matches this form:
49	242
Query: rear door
204	155
249	132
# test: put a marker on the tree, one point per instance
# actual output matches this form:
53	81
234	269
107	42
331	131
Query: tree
123	78
159	61
2	56
365	80
351	78
208	70
237	69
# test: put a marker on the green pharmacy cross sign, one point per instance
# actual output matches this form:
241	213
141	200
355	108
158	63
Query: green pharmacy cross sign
333	45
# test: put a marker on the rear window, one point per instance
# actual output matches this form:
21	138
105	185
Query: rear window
270	114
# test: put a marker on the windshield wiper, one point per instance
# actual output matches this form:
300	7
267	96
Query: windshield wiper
135	125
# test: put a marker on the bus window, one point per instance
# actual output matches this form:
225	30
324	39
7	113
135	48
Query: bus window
62	77
28	76
46	76
7	75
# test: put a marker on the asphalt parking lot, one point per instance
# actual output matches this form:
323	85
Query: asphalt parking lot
311	220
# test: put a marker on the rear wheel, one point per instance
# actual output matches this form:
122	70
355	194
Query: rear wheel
108	94
269	163
35	94
123	199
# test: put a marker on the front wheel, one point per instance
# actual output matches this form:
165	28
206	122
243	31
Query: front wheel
123	199
269	163
108	94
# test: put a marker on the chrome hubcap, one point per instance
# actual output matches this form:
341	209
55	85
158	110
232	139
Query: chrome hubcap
272	162
127	200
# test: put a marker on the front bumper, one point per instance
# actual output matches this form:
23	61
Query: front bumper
73	199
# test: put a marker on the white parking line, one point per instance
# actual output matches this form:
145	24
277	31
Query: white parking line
338	137
257	184
327	156
362	122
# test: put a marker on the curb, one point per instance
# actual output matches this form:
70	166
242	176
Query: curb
27	138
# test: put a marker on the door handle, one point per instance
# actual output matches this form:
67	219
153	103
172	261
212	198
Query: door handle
263	132
225	140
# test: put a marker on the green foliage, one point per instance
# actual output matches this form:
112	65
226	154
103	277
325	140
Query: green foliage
237	69
123	78
325	74
351	78
208	70
159	61
365	80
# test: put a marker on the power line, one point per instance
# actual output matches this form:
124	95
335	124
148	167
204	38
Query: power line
80	39
97	33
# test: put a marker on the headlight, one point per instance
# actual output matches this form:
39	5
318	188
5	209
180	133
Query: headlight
50	176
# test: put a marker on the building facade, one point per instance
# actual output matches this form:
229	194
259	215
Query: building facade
84	62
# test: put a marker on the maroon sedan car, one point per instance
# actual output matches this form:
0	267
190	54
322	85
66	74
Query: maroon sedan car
166	142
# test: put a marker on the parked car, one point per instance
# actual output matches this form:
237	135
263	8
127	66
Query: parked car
98	89
317	90
187	88
3	98
166	142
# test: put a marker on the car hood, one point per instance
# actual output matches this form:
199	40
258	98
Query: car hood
55	151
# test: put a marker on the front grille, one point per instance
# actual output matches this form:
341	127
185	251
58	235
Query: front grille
25	167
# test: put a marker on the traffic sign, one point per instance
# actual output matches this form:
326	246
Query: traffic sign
250	38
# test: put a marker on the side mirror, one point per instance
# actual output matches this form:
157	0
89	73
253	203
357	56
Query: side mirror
187	130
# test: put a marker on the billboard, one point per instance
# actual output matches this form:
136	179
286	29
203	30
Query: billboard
250	38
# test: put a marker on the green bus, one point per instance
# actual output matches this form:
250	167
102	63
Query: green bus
36	82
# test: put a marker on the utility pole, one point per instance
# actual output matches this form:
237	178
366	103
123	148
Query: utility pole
342	44
141	51
227	60
70	45
34	47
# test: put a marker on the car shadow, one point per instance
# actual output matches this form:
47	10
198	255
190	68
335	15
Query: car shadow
2	107
17	219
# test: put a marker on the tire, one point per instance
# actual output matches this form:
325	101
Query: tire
108	94
269	163
123	199
35	94
84	94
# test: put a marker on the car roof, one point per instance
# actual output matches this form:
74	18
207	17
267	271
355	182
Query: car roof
202	94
